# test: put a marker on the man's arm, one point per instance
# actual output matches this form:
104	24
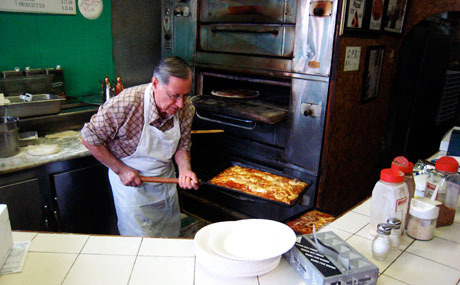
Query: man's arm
128	175
187	178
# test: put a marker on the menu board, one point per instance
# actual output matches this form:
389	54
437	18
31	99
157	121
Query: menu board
67	7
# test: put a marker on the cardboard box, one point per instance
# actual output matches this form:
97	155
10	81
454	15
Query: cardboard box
6	238
316	268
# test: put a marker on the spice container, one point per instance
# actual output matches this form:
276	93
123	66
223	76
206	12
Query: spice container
401	163
443	179
381	245
395	236
423	214
390	199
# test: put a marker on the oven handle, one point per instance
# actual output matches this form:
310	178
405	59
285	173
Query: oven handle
252	127
275	32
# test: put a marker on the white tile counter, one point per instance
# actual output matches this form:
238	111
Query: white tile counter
88	259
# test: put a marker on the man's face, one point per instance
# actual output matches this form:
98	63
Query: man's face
170	98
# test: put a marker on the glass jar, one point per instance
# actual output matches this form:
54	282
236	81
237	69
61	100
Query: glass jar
381	245
423	214
444	174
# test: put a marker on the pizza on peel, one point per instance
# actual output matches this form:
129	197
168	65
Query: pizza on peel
260	183
236	93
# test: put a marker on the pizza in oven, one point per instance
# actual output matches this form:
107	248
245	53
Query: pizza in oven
260	183
235	93
304	224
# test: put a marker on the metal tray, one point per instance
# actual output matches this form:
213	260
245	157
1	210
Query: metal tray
247	196
41	104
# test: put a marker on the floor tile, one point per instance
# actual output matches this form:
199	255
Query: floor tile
413	269
449	232
364	208
363	245
23	236
386	280
404	243
41	268
64	243
351	222
204	276
283	274
342	234
100	269
112	245
167	247
163	270
438	250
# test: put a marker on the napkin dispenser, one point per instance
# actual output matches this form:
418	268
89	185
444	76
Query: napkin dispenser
317	268
6	238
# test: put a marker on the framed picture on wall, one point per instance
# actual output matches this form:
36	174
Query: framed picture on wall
372	71
394	15
354	15
363	16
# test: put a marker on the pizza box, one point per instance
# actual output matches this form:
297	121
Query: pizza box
317	268
248	196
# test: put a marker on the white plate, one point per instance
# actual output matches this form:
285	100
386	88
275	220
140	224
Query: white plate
253	239
222	266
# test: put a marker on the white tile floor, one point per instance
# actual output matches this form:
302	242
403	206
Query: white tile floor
81	259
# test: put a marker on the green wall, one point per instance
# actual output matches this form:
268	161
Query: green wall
82	47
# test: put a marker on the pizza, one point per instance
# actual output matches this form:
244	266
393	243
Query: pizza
236	93
304	224
260	183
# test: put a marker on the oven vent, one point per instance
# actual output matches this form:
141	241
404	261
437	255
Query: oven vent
450	98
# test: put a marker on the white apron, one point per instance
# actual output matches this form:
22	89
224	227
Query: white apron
152	209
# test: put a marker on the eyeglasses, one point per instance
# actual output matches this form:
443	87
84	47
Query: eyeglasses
177	97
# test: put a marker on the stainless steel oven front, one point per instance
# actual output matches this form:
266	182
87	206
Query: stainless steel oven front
281	50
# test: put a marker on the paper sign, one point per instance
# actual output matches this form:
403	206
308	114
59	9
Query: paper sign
16	258
67	7
352	56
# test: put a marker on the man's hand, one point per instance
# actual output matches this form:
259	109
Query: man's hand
188	180
129	176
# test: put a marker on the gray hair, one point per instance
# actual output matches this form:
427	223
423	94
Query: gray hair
172	66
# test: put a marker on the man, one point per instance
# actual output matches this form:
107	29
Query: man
137	133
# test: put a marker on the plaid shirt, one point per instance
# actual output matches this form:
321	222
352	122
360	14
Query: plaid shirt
119	122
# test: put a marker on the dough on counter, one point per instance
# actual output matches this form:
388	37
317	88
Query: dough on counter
43	149
62	135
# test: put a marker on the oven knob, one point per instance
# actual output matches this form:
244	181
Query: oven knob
309	109
167	37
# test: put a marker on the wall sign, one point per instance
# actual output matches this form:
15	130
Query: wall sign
67	7
352	57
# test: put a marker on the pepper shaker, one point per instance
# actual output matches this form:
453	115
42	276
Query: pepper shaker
395	236
381	245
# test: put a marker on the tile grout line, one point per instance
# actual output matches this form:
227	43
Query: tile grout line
434	261
135	260
73	263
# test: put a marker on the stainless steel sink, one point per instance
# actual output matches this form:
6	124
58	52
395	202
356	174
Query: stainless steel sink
40	104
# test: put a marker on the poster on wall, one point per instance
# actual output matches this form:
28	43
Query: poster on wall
66	7
372	70
394	16
354	14
376	15
352	57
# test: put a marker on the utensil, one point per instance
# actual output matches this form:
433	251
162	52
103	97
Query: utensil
330	251
207	131
159	179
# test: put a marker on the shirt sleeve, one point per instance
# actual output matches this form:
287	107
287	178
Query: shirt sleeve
105	124
186	119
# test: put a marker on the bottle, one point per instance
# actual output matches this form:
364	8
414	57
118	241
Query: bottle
423	214
119	86
401	163
108	88
381	244
395	236
390	199
442	178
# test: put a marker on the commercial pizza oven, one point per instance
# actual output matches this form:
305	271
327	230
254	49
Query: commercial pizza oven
280	49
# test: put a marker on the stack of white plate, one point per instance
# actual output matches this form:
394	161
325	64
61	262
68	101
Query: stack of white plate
243	248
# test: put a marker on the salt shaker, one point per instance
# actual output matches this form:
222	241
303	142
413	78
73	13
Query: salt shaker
381	245
395	236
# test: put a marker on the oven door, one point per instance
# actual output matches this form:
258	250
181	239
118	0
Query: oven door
249	11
